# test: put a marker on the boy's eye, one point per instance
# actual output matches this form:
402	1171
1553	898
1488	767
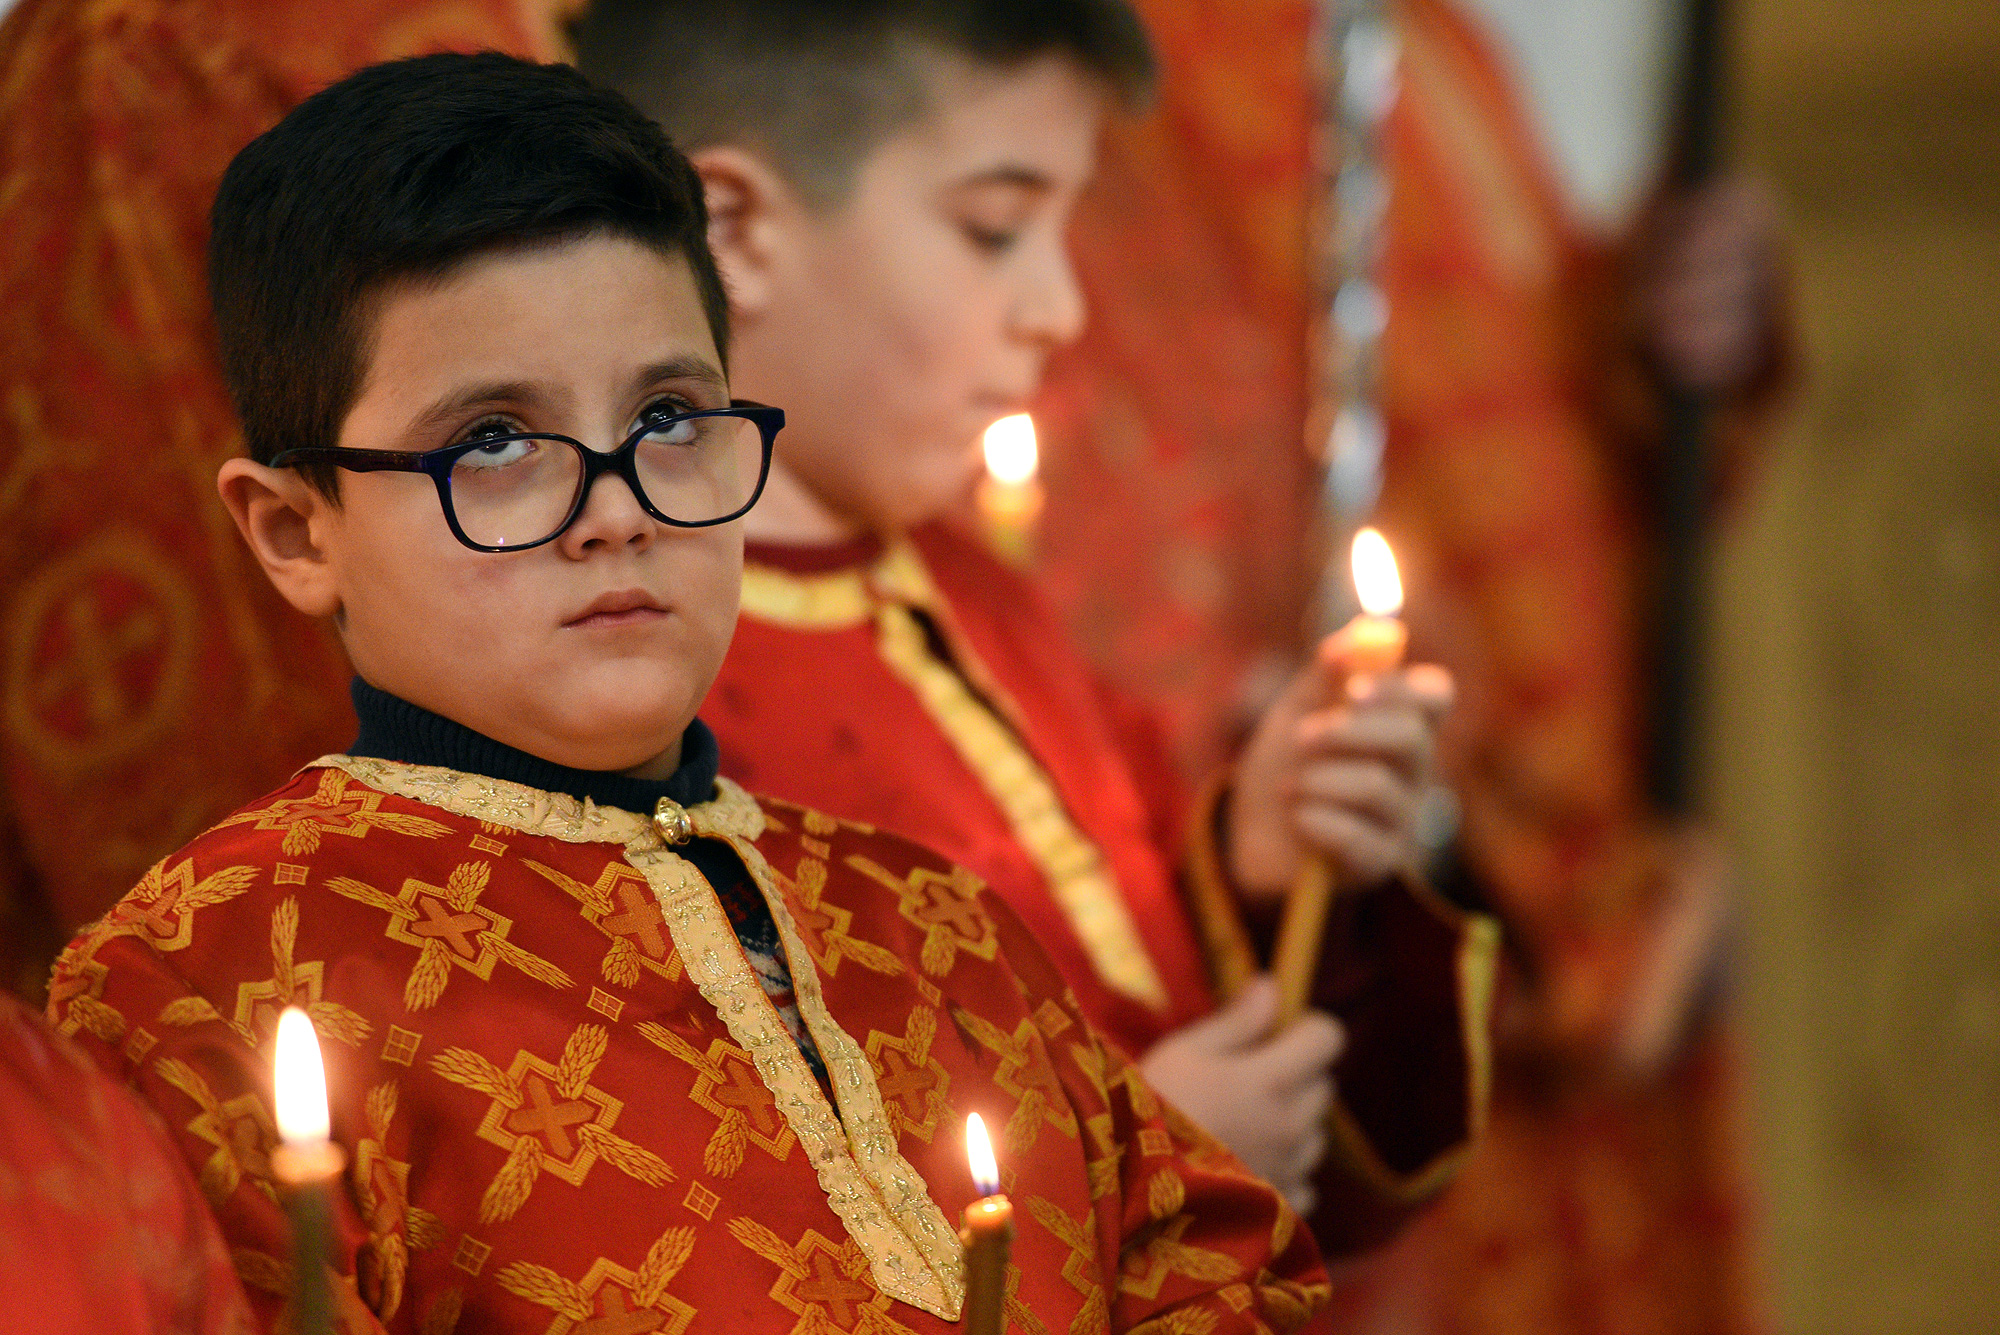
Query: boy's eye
500	454
658	419
993	240
492	426
993	215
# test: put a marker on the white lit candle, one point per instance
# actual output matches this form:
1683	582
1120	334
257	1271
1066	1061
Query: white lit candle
1373	642
1010	495
1368	646
987	1236
307	1163
303	1121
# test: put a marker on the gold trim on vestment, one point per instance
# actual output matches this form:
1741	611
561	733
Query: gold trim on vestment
1478	978
880	1197
868	1134
1070	862
1210	896
839	601
532	811
1478	970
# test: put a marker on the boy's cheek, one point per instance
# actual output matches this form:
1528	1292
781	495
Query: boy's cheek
702	569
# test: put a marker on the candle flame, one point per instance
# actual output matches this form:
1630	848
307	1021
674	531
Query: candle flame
979	1149
301	1081
1375	577
1011	454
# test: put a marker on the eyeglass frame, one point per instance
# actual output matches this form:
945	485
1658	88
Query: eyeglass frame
622	461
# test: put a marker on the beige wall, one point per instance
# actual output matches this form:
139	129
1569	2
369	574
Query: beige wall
1857	708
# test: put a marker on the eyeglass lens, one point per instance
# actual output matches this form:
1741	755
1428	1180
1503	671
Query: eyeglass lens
516	492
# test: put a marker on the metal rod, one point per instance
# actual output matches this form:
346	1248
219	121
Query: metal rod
1680	602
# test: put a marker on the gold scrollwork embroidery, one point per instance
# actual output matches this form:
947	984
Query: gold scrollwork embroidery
912	1251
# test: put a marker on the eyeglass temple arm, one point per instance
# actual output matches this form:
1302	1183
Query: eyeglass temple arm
356	461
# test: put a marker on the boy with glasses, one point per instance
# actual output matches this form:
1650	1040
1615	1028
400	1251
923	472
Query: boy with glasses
611	1045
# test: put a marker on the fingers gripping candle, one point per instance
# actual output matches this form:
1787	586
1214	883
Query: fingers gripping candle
1368	646
307	1164
987	1236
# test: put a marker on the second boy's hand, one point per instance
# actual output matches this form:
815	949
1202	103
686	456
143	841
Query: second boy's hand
1264	1095
1335	769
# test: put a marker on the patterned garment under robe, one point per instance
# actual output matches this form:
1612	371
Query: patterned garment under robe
102	1229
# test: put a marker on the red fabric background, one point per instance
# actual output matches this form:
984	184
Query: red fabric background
151	679
1179	488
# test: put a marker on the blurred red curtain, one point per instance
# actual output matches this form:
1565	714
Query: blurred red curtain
1522	429
152	679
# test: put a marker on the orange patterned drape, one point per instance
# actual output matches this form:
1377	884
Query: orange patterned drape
1521	432
151	677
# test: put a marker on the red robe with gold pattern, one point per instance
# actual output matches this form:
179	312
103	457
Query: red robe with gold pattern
570	1107
102	1229
923	686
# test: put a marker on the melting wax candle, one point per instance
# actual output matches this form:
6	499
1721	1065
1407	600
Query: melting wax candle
307	1164
987	1235
1368	646
1010	496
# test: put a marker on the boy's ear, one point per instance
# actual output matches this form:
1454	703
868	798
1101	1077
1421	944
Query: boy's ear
750	207
284	521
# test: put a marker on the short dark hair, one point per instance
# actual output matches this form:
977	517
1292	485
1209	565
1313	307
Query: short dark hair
817	84
399	173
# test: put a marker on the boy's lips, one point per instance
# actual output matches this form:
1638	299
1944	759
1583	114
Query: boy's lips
622	607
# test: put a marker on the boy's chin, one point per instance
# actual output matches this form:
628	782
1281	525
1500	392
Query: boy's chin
617	735
898	509
657	758
912	489
641	746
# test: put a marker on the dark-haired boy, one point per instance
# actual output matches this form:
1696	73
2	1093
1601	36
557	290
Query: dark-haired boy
611	1044
889	184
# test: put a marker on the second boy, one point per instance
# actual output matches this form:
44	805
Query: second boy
889	186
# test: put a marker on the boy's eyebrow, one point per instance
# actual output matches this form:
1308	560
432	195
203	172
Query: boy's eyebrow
1009	174
526	391
684	368
501	391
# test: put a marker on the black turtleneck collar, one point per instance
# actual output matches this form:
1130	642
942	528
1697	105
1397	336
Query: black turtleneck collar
394	729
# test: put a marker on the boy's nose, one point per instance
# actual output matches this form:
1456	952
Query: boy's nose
1052	309
612	517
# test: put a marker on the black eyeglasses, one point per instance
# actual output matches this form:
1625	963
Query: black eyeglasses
509	493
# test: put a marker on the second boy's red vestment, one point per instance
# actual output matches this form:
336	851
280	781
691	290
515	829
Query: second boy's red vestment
923	686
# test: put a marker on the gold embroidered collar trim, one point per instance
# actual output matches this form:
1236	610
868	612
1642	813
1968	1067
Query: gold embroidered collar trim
532	811
1072	865
912	1251
838	599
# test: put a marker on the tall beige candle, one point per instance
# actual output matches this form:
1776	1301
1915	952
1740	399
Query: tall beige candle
987	1235
1368	646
